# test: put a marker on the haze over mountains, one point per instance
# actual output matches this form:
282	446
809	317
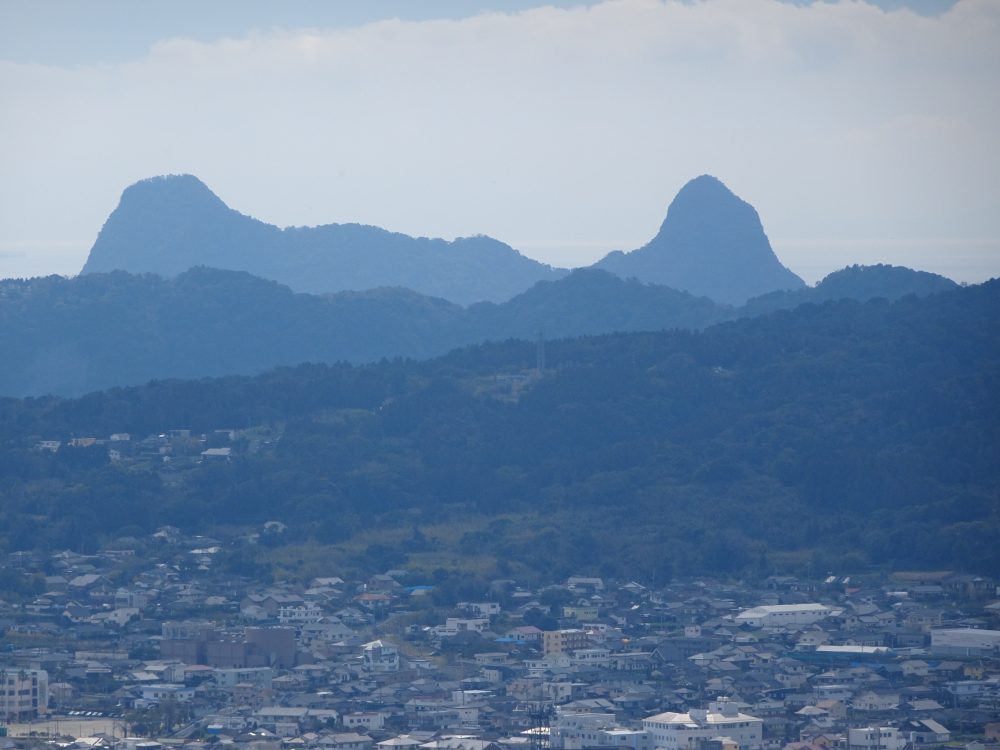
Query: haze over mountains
166	225
205	291
867	400
711	244
71	336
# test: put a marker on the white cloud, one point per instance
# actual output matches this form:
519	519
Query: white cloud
563	131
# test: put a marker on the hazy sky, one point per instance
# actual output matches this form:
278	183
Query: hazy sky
861	132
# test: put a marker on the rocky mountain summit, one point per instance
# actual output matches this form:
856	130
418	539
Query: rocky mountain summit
711	244
166	225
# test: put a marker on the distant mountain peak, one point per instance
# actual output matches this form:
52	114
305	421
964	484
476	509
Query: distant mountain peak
166	225
711	243
171	186
704	183
702	203
168	181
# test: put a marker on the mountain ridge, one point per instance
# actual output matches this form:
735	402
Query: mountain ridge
70	336
710	244
168	224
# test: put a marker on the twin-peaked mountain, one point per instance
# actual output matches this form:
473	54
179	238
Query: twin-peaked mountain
711	244
208	291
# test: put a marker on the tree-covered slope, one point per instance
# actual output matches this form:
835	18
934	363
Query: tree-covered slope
71	336
835	436
855	282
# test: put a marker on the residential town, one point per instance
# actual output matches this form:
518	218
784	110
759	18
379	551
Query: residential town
164	649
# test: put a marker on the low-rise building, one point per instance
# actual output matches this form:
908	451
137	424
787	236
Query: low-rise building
380	656
152	694
782	615
228	678
875	738
684	731
965	642
364	720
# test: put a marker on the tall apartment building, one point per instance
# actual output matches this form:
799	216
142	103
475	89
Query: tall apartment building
563	641
24	693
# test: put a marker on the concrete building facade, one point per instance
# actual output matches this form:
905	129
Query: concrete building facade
24	693
782	615
684	731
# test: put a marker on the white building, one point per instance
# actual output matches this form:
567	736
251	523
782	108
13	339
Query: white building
874	738
298	614
153	694
627	739
782	615
364	720
24	693
591	657
455	625
682	731
575	730
869	700
482	609
965	642
124	599
379	656
230	678
346	741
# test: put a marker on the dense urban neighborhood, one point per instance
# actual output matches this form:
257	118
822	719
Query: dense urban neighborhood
152	643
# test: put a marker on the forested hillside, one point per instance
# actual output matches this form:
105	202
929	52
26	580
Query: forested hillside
71	336
838	436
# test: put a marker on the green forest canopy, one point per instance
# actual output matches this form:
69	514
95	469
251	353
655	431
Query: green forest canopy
848	435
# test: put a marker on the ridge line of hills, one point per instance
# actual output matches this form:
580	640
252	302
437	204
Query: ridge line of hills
71	336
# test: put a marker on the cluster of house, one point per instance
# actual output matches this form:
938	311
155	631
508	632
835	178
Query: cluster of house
912	661
179	447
